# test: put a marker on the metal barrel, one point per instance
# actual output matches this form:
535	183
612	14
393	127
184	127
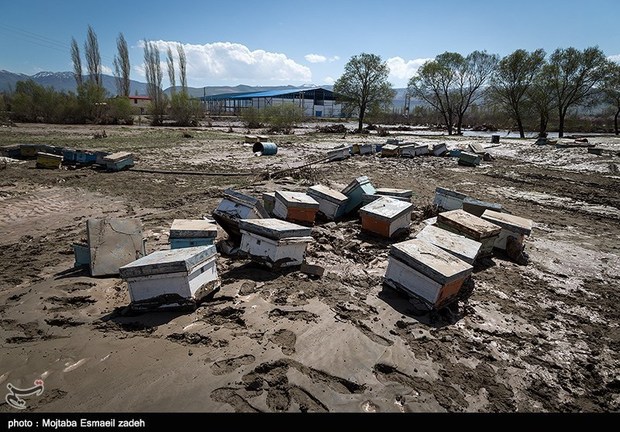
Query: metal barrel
265	148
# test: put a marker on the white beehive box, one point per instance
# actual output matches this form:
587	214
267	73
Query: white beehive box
332	203
174	277
446	199
426	272
512	226
192	232
460	246
273	242
234	207
473	227
339	153
386	216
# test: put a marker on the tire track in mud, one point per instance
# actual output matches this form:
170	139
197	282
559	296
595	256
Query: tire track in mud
281	395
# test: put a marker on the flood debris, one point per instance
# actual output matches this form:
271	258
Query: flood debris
265	148
274	243
171	278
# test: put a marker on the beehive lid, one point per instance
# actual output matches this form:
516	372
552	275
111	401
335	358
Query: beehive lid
182	260
430	260
192	228
510	222
458	245
296	199
468	224
485	204
323	192
358	182
118	156
402	193
112	243
274	228
451	193
386	208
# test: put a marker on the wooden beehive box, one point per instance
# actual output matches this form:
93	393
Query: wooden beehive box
477	207
446	199
401	194
295	207
235	206
460	246
117	161
273	242
512	226
269	202
386	216
191	232
332	203
48	161
426	272
169	278
473	227
355	190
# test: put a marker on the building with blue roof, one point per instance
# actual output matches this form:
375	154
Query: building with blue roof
315	101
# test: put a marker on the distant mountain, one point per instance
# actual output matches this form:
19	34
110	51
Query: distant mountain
64	81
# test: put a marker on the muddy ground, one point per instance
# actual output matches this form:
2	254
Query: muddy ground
542	337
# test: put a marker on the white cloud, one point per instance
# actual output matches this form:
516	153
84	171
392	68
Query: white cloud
233	63
106	70
315	58
614	58
328	80
318	58
403	70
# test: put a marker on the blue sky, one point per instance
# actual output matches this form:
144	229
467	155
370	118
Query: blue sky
279	42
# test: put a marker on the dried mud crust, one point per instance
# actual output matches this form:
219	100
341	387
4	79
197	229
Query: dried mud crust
540	337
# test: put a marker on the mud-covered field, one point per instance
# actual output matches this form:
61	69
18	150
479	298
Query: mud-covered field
541	337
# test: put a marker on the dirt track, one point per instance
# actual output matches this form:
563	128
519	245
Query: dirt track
536	338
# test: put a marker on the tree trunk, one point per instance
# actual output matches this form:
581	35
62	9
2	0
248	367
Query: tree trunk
561	127
616	121
361	119
543	125
520	125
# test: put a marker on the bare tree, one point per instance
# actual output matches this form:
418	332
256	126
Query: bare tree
182	67
573	74
122	67
170	62
540	95
611	91
154	76
77	62
93	57
451	83
513	77
364	84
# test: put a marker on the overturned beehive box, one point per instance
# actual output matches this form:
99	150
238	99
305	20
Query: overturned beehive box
426	272
332	203
234	207
295	207
191	232
48	161
477	207
400	194
386	216
511	226
473	227
460	246
469	159
273	242
439	149
446	199
355	191
171	278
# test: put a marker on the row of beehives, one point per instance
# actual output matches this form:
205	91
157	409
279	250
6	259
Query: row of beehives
53	157
433	266
397	148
